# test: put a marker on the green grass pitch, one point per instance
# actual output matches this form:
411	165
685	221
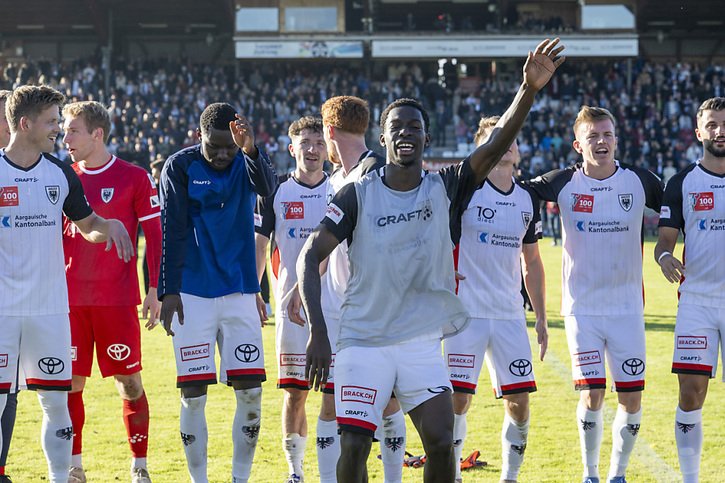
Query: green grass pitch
552	454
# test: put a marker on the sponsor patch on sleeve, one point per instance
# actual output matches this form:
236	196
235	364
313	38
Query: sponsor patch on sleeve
257	220
538	229
665	212
154	201
334	213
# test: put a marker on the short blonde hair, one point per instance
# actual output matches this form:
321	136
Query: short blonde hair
485	126
589	114
94	115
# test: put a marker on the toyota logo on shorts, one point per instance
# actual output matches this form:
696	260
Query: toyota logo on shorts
520	367
118	352
633	366
51	365
246	353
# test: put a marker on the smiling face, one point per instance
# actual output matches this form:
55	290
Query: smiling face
711	132
44	129
404	136
218	148
309	149
596	141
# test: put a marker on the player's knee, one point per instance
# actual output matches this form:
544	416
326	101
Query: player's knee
295	397
438	443
592	399
53	401
692	393
461	402
392	407
632	401
517	406
191	392
78	383
327	408
129	387
355	446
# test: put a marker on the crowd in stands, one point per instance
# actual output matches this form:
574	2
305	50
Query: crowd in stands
155	106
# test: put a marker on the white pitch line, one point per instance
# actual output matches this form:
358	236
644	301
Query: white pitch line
642	450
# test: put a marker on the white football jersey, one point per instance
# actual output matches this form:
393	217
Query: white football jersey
602	236
335	279
494	227
695	203
32	203
292	214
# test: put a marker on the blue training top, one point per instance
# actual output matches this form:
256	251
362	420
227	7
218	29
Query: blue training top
207	220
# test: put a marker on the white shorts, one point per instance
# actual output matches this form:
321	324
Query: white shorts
698	335
291	345
505	346
41	345
619	339
367	376
232	322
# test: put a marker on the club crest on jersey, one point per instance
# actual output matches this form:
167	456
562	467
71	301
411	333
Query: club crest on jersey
704	201
526	218
625	201
53	193
582	203
106	194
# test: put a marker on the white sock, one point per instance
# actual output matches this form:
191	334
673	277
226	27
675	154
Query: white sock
294	451
624	433
328	450
460	427
138	463
513	444
77	460
392	447
590	438
245	432
194	435
56	433
688	436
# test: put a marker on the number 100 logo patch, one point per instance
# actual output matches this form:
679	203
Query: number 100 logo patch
582	203
293	210
703	201
9	196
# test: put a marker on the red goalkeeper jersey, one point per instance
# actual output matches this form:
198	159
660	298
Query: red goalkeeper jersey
95	276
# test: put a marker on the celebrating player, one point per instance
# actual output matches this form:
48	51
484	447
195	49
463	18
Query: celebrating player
695	203
345	120
208	279
602	206
35	191
500	223
400	299
104	292
291	214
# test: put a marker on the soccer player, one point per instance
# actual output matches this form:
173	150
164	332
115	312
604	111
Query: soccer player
208	279
602	206
8	415
345	120
695	203
290	215
35	191
400	299
104	292
500	224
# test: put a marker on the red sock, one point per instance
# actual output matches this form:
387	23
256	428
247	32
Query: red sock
2	470
78	418
136	419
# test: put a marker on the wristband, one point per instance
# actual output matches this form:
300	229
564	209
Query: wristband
659	259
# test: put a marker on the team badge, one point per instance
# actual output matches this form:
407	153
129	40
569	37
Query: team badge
625	201
53	193
106	194
526	218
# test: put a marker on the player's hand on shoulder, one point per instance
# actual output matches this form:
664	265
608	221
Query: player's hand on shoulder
672	268
151	308
319	359
261	309
541	64
169	306
117	235
542	336
243	134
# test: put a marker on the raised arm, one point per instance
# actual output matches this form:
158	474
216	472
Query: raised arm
538	69
259	168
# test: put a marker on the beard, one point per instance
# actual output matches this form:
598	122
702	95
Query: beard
709	146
